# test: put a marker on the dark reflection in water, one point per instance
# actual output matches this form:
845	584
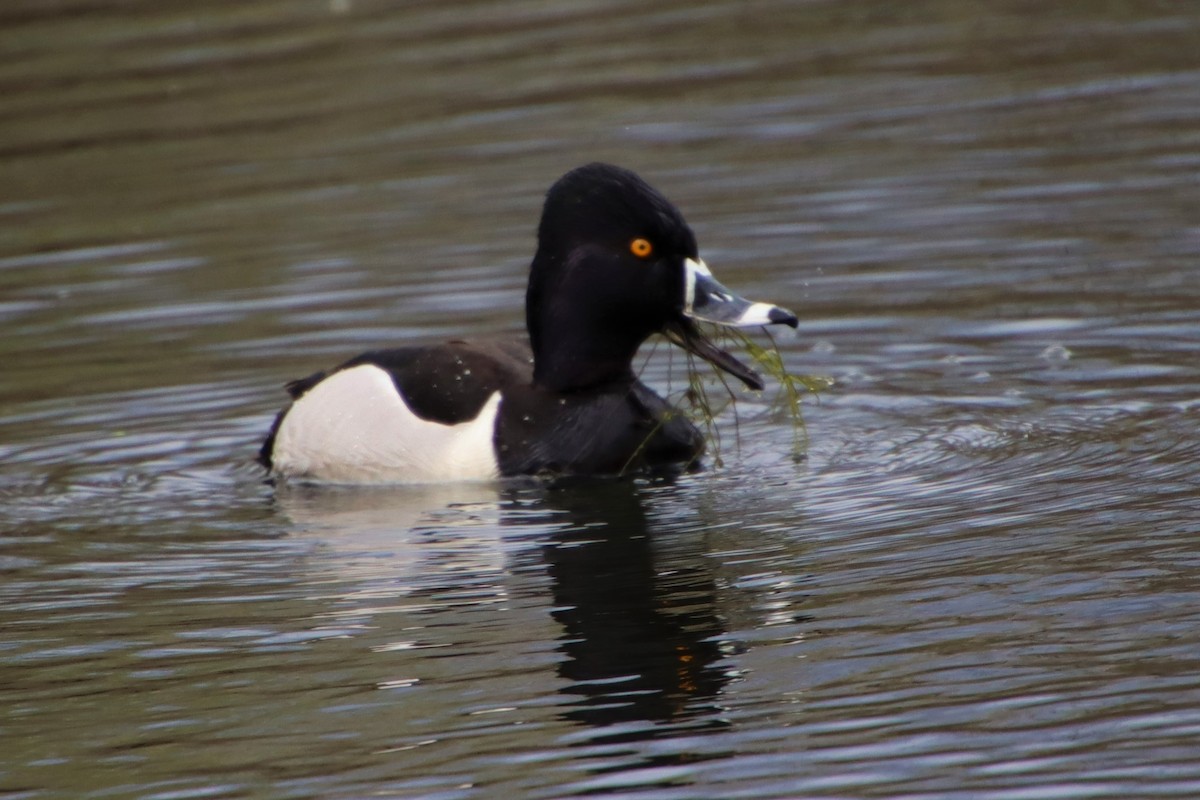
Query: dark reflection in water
641	651
643	640
641	637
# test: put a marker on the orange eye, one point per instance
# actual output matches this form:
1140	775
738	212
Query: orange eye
641	247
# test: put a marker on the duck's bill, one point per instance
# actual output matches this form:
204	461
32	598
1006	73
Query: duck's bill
706	299
684	333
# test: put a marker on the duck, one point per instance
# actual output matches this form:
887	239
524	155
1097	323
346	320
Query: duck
616	263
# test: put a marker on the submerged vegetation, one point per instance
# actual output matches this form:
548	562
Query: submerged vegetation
710	393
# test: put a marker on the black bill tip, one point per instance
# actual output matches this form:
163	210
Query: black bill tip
782	316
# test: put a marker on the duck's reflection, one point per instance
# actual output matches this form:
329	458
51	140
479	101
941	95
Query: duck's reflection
641	640
641	636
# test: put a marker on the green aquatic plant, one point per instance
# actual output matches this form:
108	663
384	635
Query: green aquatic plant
710	394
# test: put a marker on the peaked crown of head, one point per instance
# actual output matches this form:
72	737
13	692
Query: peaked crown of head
605	204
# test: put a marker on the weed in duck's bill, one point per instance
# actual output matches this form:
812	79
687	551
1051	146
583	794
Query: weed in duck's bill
710	393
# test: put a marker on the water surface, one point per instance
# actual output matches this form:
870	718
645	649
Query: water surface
979	582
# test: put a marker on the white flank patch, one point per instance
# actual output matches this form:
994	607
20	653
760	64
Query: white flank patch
354	427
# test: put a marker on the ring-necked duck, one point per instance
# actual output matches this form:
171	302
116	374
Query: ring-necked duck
615	263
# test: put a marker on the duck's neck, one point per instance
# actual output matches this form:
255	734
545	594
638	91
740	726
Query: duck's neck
570	364
576	346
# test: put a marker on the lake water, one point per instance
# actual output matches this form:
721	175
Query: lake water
982	580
